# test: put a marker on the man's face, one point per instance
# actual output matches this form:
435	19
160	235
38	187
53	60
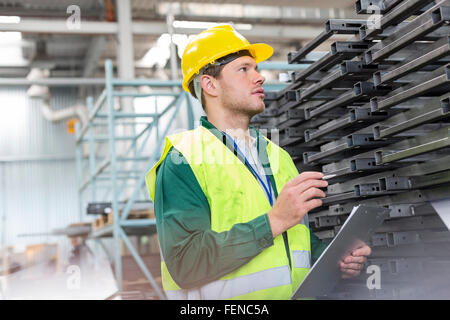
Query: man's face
240	86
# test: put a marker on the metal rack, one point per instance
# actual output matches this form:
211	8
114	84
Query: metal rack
113	167
373	112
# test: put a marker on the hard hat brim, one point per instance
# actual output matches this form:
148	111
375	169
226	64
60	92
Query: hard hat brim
261	51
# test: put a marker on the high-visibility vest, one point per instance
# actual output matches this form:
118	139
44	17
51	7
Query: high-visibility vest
235	196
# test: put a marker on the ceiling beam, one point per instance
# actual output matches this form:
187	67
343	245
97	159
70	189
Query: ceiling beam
255	13
154	28
60	27
53	82
289	3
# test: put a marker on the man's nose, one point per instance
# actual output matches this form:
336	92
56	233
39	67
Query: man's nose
259	78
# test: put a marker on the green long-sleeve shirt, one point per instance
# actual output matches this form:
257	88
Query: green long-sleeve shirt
195	254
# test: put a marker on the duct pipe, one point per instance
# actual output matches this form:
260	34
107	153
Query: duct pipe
43	92
76	111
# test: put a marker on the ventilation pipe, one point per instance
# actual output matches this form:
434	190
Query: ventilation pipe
76	111
36	91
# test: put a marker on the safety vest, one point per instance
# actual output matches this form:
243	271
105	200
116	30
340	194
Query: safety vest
235	196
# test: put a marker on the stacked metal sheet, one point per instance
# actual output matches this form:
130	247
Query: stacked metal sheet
375	112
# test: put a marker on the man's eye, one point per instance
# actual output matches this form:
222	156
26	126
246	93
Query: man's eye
243	68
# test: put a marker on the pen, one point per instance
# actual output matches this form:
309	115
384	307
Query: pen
329	176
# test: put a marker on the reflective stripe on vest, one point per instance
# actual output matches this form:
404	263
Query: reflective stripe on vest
302	259
226	289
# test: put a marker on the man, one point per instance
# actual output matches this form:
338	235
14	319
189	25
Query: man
80	254
231	207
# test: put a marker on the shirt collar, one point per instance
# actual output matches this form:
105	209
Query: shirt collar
254	134
261	144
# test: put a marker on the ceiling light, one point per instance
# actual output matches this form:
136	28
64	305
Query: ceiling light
207	25
11	50
9	19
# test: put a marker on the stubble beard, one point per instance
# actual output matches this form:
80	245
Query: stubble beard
243	108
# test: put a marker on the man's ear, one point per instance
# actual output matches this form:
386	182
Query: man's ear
209	85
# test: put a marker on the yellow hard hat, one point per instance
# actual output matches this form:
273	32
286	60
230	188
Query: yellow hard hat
215	43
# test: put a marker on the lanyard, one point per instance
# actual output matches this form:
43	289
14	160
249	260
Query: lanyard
268	187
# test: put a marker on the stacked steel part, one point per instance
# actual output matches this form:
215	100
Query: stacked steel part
374	112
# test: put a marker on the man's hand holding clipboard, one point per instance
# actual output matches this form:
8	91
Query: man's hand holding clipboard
346	254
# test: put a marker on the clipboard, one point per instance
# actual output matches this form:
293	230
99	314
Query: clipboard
326	273
442	208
